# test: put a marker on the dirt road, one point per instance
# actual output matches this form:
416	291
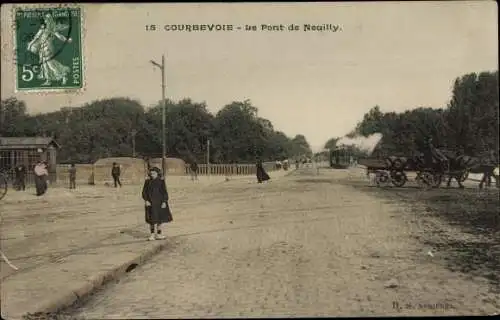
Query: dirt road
303	245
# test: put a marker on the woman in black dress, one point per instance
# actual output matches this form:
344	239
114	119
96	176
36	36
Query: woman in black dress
155	195
261	173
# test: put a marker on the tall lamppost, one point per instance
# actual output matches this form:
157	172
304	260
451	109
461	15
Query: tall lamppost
133	133
209	171
163	118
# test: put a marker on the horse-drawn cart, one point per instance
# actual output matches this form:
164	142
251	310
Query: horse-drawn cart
392	170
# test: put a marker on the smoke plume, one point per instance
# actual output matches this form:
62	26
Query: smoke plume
365	144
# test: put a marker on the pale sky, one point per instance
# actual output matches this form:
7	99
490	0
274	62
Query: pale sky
399	55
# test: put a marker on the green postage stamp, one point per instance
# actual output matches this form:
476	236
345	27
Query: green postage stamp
48	48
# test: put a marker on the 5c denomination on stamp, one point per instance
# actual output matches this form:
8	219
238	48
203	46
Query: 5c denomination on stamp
48	48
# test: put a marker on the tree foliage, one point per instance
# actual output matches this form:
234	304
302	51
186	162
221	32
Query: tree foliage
469	123
105	128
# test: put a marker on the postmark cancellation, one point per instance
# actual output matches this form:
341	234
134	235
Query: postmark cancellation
48	48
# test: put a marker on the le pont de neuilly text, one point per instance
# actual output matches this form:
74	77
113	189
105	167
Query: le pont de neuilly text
325	27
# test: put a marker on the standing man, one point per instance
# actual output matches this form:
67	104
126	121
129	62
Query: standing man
72	176
115	173
21	177
194	170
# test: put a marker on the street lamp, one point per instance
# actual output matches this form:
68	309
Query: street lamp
163	118
133	133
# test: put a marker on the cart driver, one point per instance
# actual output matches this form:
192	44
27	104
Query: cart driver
435	152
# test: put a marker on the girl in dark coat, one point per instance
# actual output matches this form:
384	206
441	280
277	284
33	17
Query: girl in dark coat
261	173
155	195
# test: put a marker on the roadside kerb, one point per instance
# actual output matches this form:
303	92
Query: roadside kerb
81	274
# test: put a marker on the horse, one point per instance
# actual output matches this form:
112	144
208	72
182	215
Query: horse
461	165
454	167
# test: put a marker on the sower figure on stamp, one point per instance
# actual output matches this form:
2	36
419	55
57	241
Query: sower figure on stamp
72	176
42	44
155	195
115	173
21	177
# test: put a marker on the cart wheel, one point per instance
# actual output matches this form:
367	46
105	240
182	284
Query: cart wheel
398	178
464	175
398	164
3	186
437	178
425	180
382	179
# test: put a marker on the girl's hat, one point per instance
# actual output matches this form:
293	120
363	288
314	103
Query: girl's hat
157	170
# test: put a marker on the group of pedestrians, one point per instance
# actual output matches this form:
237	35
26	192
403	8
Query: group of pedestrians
41	174
154	191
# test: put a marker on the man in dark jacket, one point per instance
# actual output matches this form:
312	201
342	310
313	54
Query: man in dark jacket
115	173
72	176
21	177
194	170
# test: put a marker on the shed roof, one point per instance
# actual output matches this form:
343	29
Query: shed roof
27	142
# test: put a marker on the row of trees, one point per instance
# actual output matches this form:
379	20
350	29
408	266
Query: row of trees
468	124
112	127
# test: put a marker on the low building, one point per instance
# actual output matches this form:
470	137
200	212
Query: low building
28	151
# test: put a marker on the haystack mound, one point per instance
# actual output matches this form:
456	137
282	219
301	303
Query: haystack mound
84	173
174	166
132	170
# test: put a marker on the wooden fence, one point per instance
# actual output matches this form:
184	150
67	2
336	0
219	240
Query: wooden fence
230	169
86	173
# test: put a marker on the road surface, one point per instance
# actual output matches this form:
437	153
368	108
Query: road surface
302	245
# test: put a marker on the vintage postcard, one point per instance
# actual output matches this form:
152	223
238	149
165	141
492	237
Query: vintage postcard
274	159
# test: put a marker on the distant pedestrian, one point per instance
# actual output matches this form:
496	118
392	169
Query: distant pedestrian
157	211
278	165
20	177
147	162
285	164
261	173
194	170
115	173
72	176
41	174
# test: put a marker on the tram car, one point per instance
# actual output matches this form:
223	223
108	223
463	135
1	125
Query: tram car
340	158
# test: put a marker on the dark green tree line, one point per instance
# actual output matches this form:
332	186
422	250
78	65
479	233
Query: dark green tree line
106	128
469	123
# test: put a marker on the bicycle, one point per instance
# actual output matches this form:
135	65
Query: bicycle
3	184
